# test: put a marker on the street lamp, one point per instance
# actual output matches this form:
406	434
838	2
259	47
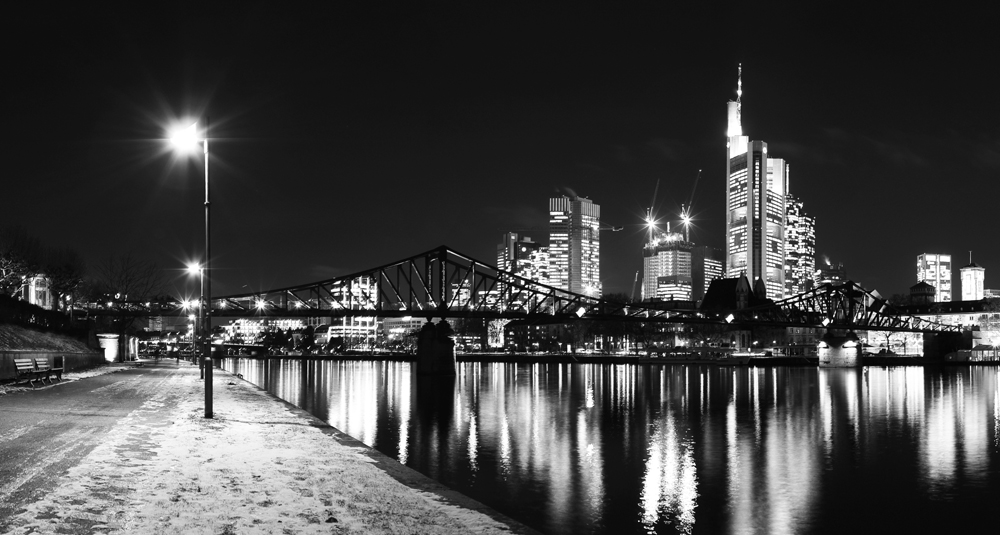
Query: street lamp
196	269
187	139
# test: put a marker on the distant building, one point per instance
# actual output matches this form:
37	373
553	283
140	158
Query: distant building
972	277
756	185
673	288
800	248
991	293
835	274
513	250
666	257
935	269
706	266
575	245
537	266
923	293
35	290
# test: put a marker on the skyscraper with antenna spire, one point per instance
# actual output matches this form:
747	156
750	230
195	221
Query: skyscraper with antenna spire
756	186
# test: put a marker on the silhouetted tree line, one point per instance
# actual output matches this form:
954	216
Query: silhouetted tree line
17	312
23	256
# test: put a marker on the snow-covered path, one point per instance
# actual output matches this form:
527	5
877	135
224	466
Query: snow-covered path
260	466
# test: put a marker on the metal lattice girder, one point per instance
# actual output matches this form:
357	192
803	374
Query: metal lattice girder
445	283
440	282
846	305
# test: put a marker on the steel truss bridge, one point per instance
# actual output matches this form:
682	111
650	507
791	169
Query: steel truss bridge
445	283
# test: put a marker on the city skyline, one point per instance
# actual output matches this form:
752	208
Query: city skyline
345	138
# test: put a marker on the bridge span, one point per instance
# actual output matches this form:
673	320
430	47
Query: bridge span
445	283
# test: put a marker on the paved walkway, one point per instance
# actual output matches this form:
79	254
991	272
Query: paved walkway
130	452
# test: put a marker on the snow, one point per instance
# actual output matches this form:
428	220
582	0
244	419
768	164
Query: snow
259	466
74	375
15	337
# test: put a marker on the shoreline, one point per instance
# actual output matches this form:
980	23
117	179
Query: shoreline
256	466
567	358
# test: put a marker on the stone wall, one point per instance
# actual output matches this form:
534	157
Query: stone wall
71	360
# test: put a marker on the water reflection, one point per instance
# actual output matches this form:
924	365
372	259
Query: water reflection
677	449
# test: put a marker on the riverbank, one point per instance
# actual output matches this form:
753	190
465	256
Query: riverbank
260	465
568	358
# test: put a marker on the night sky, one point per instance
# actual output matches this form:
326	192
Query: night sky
345	137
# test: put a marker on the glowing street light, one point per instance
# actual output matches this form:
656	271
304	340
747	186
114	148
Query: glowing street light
186	140
194	268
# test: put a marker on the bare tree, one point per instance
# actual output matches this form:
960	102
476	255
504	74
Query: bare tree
127	283
65	270
20	257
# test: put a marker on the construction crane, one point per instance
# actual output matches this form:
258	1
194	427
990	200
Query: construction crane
650	222
686	209
636	281
602	227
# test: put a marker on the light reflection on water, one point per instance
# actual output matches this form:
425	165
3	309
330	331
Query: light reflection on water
677	449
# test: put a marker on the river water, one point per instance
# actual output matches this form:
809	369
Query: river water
591	448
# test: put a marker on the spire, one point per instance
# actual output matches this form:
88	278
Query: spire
735	108
739	92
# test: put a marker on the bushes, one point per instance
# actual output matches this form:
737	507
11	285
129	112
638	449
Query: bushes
28	315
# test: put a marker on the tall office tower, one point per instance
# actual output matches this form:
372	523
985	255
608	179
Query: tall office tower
705	268
800	248
667	260
536	266
755	206
575	245
935	269
512	252
972	281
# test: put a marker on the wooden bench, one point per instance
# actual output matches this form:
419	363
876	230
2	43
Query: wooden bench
42	365
57	370
25	370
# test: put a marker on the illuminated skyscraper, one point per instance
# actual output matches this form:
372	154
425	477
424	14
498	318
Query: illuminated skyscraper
523	257
935	269
800	248
666	267
512	252
755	207
575	245
705	268
972	281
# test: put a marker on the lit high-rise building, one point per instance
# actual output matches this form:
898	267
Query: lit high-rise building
666	259
935	269
705	268
513	252
575	245
800	248
973	276
755	207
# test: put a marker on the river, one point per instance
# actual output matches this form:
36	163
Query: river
601	449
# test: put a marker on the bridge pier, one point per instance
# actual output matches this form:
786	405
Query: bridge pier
839	349
436	350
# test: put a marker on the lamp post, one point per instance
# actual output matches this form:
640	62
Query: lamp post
186	138
197	269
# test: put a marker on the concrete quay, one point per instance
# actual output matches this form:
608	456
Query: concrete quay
131	452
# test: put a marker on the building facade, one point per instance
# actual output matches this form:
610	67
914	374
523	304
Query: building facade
706	266
800	248
523	257
935	269
666	257
830	273
575	245
972	276
755	207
